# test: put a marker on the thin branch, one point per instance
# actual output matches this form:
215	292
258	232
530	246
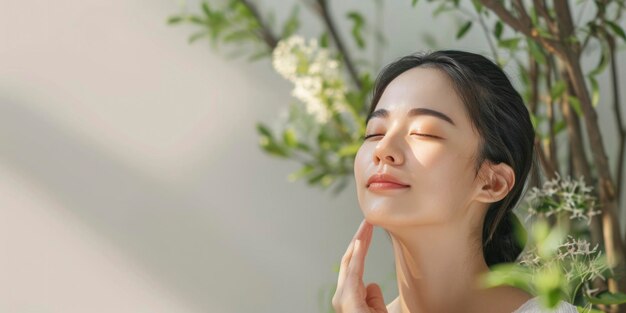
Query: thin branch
621	131
506	16
496	6
540	7
523	14
321	8
489	41
265	32
548	169
550	112
565	25
534	83
574	133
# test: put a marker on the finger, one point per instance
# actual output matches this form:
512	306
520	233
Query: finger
374	298
357	261
345	261
343	269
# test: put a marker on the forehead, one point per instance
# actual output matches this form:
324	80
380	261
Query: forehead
423	87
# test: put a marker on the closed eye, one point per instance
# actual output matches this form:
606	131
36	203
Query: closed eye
422	135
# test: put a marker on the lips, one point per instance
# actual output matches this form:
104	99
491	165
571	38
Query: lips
386	179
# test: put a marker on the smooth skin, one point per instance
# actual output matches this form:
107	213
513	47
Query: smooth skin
435	225
352	296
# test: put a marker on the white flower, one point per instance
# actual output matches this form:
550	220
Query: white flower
315	74
563	195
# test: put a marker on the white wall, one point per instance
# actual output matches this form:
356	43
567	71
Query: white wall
130	177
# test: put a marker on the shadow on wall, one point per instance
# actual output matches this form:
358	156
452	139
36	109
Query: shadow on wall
168	234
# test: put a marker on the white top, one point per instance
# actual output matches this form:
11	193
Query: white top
533	306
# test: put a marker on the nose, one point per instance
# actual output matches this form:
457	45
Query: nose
388	151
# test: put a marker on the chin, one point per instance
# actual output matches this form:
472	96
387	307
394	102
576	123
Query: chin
378	216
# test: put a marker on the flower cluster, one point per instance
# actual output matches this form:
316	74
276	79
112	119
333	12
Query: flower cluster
563	195
315	74
578	262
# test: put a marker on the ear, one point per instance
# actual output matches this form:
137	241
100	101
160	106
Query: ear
495	183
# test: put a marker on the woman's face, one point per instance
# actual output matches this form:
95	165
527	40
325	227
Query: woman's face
432	152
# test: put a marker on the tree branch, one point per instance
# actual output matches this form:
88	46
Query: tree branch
621	131
540	6
506	16
265	33
551	45
523	14
565	25
548	169
550	112
321	8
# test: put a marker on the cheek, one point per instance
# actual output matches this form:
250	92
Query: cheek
442	176
429	155
361	160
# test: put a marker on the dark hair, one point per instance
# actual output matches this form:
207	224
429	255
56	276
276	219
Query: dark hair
498	113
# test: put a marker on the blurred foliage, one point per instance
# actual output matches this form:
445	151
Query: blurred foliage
323	129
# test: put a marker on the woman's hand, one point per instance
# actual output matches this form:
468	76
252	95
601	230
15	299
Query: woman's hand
351	295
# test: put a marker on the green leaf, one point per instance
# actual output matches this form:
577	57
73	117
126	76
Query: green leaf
292	24
414	3
196	20
316	178
195	36
510	43
602	63
443	7
595	91
238	35
276	151
608	298
289	138
547	239
548	283
272	147
174	20
536	51
357	26
463	30
617	29
324	40
507	274
534	120
303	171
264	130
477	5
575	104
497	29
327	180
557	89
206	9
581	309
261	54
559	126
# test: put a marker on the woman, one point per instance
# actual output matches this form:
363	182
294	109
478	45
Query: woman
447	149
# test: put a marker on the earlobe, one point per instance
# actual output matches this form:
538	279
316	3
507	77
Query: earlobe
498	180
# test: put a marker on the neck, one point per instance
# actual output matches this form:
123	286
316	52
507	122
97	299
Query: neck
437	266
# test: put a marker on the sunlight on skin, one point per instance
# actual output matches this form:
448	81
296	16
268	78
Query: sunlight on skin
435	223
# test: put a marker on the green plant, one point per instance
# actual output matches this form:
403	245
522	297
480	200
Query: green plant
545	41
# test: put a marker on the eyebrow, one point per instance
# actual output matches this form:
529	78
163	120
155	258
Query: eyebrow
383	113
